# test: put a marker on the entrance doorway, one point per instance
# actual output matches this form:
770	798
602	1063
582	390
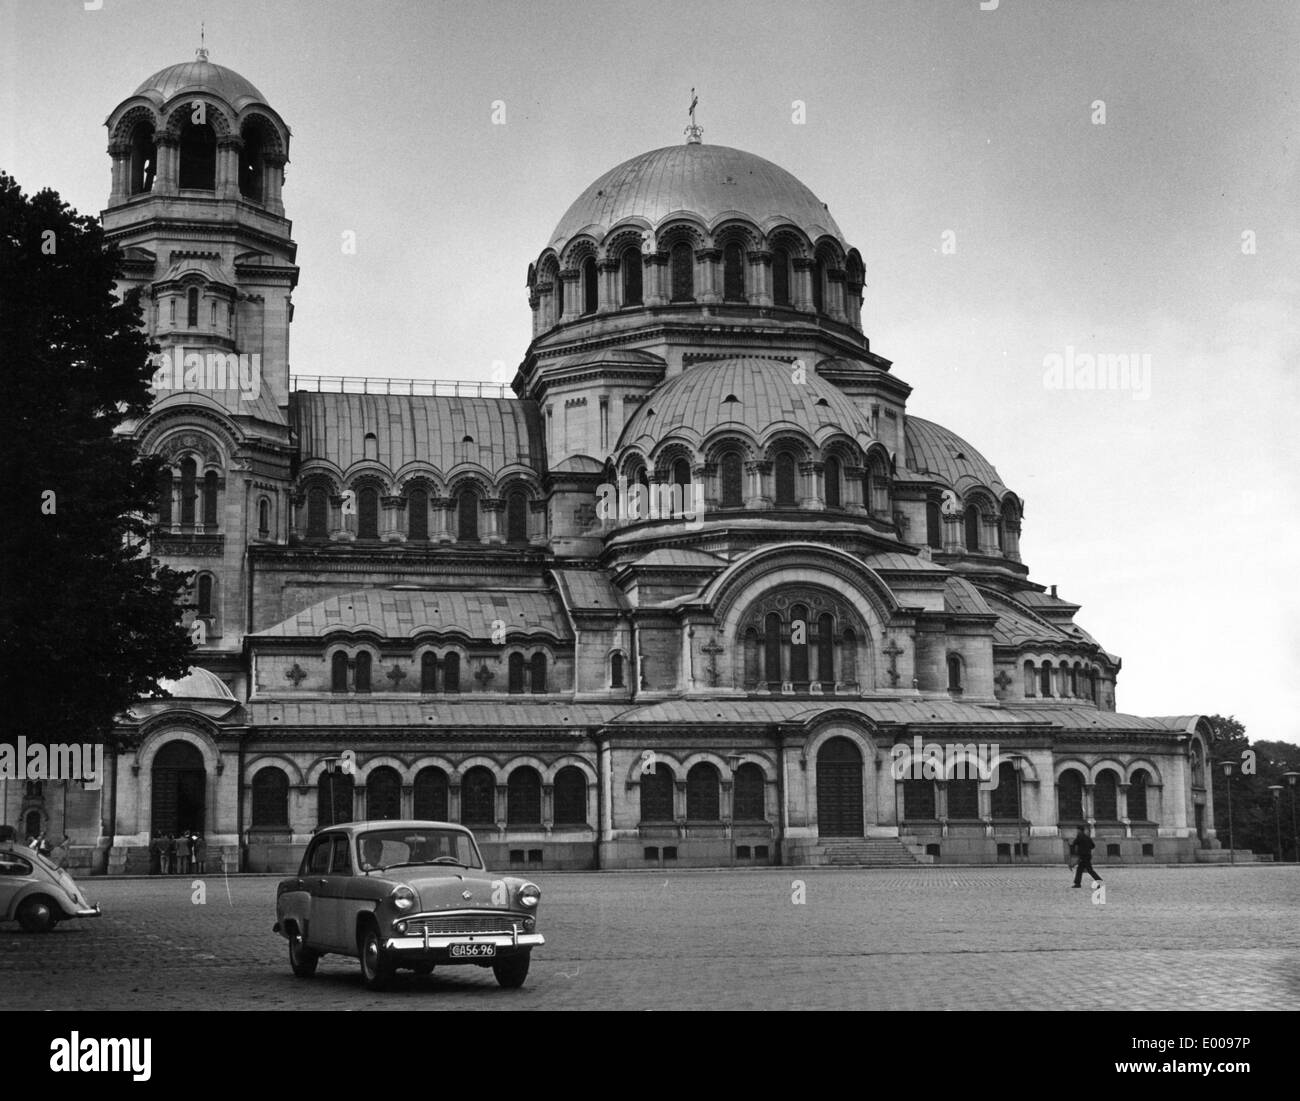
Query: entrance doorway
839	789
179	789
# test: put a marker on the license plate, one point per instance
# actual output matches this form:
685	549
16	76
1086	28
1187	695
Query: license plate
472	951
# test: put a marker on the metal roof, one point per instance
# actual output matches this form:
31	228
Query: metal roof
933	449
705	180
201	75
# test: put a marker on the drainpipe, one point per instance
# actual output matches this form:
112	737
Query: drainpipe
602	766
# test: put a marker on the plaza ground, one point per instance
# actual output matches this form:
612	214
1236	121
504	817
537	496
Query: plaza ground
881	939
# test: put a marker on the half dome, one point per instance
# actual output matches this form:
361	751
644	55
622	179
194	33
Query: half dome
201	75
705	180
760	396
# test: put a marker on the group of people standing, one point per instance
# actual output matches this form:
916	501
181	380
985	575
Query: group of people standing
177	854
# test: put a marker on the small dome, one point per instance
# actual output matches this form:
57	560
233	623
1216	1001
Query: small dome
198	684
933	449
706	180
201	76
760	395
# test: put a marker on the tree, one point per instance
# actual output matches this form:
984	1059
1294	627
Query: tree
88	621
1255	766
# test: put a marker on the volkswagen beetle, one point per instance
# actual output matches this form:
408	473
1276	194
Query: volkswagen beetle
35	892
405	894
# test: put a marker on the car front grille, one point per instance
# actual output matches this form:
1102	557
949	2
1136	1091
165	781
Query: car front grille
454	924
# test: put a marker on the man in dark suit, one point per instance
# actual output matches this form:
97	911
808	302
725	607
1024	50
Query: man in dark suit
1082	847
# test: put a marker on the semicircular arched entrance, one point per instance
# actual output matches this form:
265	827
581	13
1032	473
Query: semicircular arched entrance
839	788
180	784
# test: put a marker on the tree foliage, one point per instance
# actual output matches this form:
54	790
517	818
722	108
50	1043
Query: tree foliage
1256	820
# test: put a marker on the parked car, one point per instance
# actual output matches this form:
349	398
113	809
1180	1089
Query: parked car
35	892
405	894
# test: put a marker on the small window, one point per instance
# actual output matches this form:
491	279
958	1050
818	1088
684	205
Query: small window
539	674
972	529
339	673
534	856
780	277
517	517
832	476
428	674
210	500
742	852
932	850
1112	850
1148	850
733	273
192	307
760	852
670	852
733	489
819	287
451	673
785	480
683	273
205	595
317	514
954	673
933	525
616	671
516	673
652	852
263	518
363	671
632	277
467	515
417	515
590	286
368	513
371	446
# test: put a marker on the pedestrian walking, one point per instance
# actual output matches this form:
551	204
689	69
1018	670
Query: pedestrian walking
1082	847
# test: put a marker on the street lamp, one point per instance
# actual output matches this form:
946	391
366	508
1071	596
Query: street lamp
1276	789
1291	778
1227	774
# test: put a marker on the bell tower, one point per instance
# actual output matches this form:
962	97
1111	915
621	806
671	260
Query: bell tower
198	164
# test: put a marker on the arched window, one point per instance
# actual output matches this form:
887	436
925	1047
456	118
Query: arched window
517	516
250	164
1105	796
954	673
819	286
524	797
317	514
1030	680
681	475
428	674
733	484
270	799
1045	680
1137	795
144	158
799	631
918	800
733	273
703	793
559	298
780	277
516	673
429	795
616	671
539	674
832	478
657	794
334	798
368	513
210	499
772	651
205	595
189	491
786	493
467	516
972	528
263	518
964	797
632	276
417	515
748	794
826	651
165	497
198	170
590	287
451	673
933	525
384	794
1070	788
683	272
751	658
339	672
1074	680
192	307
1004	800
570	797
478	797
1063	680
362	679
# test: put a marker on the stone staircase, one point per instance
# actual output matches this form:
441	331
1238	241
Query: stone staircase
868	852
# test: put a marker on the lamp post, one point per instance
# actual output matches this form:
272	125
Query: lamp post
1227	774
1276	789
1291	778
1017	764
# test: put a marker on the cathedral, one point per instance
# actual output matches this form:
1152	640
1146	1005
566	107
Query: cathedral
697	589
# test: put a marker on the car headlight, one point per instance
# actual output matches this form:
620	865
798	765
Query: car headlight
529	894
403	898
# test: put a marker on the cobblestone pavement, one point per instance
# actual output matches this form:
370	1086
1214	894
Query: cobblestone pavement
933	938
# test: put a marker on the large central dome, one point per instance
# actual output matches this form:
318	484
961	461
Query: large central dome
200	75
705	180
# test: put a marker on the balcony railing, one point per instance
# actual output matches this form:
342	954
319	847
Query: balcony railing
398	387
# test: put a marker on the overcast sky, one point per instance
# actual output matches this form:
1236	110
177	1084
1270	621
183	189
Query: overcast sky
1171	517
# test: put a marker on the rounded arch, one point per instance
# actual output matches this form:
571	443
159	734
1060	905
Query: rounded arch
1144	763
639	764
288	765
398	765
707	757
569	760
478	760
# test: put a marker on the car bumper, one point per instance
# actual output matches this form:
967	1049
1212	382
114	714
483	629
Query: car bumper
506	944
86	911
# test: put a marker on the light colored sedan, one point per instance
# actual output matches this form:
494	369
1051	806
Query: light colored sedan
36	893
405	894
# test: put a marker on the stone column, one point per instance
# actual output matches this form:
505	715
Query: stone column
176	502
853	303
537	534
272	182
814	494
652	290
165	180
227	178
441	529
408	801
492	510
705	476
801	278
607	301
548	807
501	805
121	189
855	488
706	272
572	280
835	294
534	304
679	799
298	514
392	519
453	801
760	276
338	529
757	473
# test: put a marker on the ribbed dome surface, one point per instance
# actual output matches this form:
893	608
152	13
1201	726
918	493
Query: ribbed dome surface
194	76
933	449
766	398
198	684
707	180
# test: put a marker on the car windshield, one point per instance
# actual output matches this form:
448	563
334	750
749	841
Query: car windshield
379	849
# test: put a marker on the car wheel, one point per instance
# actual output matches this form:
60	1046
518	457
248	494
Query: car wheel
376	966
302	959
36	914
512	972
